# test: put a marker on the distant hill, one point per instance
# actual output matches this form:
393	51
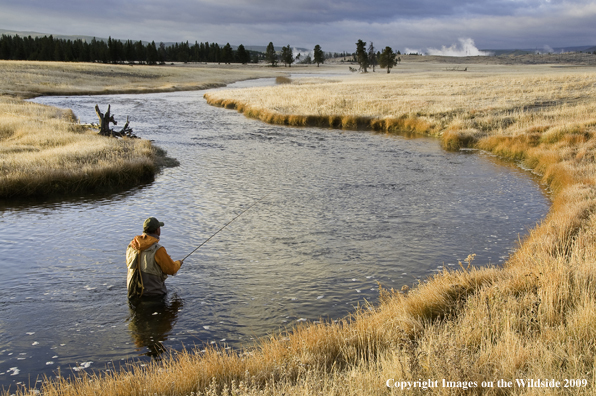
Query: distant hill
58	36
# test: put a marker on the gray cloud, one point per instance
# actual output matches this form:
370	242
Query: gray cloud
335	24
275	11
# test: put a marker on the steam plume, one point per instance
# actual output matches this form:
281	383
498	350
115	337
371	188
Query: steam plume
466	48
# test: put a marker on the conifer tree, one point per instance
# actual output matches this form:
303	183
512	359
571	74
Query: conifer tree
140	52
161	53
227	54
319	55
372	56
287	56
361	55
241	55
387	59
270	54
151	54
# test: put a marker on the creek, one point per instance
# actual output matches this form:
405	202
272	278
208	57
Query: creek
347	211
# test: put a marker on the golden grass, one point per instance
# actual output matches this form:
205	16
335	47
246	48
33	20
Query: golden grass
431	101
44	151
534	318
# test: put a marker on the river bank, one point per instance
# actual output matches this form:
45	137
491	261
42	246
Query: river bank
45	152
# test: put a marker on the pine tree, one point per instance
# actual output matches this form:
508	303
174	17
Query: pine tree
270	54
129	51
47	48
162	54
372	56
227	54
361	55
151	54
287	56
387	59
5	47
140	52
241	55
319	55
214	53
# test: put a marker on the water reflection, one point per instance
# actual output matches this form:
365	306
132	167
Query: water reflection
75	199
151	321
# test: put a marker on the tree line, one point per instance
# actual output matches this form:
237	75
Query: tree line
48	48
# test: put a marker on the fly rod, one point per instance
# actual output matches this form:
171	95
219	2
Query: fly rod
225	225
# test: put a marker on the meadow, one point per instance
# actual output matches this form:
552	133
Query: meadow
45	151
25	79
534	318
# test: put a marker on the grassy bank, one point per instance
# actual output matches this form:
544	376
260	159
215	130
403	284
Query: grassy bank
534	318
45	151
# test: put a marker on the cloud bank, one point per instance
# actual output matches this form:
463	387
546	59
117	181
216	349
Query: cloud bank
334	24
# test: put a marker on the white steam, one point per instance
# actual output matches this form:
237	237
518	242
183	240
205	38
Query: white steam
547	49
303	54
466	47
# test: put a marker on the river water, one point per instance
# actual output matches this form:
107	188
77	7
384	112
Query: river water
346	210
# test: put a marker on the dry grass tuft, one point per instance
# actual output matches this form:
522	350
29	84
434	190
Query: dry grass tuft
455	140
283	80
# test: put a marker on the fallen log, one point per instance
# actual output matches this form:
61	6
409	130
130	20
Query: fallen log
104	125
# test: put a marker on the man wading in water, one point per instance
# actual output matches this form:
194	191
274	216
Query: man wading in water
148	263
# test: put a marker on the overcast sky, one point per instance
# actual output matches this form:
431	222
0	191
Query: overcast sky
334	24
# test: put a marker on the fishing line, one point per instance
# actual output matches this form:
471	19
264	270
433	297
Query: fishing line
225	225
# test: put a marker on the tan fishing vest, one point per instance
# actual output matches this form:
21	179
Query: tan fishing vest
148	263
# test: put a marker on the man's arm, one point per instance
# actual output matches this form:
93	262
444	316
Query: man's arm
163	259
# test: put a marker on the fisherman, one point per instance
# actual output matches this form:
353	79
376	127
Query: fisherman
148	263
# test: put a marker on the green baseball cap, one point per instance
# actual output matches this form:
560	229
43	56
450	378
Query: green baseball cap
152	224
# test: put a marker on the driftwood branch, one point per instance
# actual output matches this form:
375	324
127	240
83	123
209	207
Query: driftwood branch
104	125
